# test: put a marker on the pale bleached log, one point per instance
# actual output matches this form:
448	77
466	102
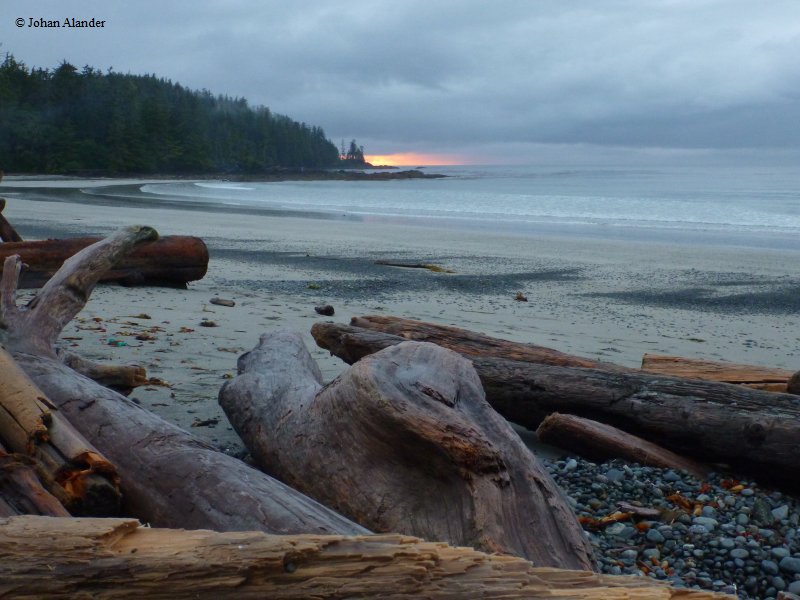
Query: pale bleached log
403	441
168	477
107	559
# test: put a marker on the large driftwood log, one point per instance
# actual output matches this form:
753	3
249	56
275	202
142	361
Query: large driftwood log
116	558
78	474
758	432
21	490
760	378
599	442
403	441
171	260
470	343
169	477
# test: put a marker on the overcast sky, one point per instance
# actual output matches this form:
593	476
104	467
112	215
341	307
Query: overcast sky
476	80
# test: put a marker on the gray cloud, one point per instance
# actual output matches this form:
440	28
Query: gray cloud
449	76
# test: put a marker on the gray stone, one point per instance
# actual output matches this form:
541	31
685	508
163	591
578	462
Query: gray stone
761	514
742	519
707	522
779	552
671	476
739	553
709	511
654	536
615	475
651	553
727	543
790	564
794	587
778	583
571	465
769	567
781	512
615	529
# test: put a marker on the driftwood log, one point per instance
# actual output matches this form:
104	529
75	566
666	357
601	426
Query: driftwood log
21	489
168	477
757	431
7	232
116	558
469	343
404	441
171	260
84	480
600	442
760	378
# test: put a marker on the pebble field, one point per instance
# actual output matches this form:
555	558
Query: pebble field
719	534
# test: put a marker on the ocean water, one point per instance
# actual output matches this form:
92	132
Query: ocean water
757	206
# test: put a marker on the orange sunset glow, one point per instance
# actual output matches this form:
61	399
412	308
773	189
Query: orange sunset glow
413	159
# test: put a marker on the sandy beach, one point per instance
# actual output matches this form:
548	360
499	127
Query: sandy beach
608	299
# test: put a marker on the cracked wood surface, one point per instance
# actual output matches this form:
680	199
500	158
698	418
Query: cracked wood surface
108	559
403	441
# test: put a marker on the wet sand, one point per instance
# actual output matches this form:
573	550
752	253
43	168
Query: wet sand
607	299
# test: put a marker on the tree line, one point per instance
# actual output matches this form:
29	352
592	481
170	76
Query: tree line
66	120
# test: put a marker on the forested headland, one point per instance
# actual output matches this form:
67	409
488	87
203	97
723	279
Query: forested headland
76	121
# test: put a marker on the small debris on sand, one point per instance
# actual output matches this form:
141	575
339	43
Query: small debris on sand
326	310
222	302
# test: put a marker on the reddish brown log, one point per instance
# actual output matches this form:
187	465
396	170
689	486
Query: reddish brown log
170	260
760	378
7	232
117	558
469	343
21	490
599	442
403	441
